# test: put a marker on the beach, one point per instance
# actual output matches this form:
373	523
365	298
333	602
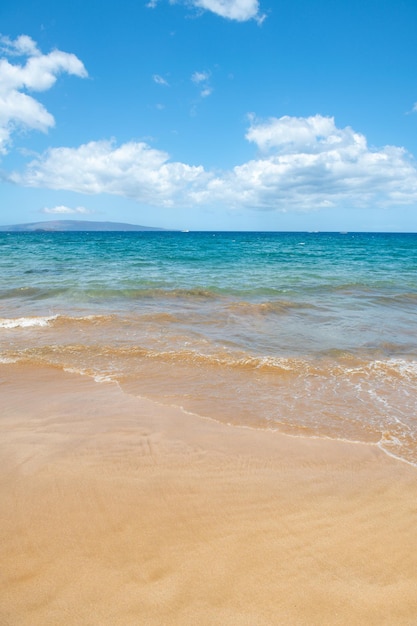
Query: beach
208	313
208	428
120	510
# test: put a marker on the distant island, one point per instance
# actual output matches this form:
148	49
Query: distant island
67	226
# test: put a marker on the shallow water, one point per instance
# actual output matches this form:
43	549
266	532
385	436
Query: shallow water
311	333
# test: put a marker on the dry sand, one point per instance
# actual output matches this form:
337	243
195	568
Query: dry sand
118	511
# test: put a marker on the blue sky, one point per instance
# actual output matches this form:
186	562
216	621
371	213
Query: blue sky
210	114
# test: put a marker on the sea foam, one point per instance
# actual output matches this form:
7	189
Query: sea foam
26	322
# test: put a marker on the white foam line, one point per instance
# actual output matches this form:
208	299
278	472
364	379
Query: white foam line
26	322
105	379
394	456
4	360
98	378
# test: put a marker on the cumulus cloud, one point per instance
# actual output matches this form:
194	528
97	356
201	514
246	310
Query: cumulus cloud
38	73
313	134
238	10
302	164
309	163
65	210
21	46
134	170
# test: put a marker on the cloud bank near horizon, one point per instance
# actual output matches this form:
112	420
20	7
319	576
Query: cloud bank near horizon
303	163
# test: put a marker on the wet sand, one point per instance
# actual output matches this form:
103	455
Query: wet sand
115	510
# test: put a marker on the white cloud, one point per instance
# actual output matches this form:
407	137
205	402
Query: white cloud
310	163
239	10
64	210
134	170
21	46
202	80
159	80
304	164
199	77
38	73
307	134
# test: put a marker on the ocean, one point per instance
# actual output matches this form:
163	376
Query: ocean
311	334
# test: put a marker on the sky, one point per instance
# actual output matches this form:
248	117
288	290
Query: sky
210	114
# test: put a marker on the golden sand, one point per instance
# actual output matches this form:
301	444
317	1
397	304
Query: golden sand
118	511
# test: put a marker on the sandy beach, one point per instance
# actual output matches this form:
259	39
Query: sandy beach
118	511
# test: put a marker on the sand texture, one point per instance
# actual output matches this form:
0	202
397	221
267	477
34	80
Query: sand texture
118	511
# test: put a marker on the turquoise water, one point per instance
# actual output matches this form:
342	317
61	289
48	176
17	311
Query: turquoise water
307	333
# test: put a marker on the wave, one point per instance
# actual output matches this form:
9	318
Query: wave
342	365
27	322
396	367
108	292
31	293
274	306
359	399
51	320
258	297
196	292
396	300
127	293
160	317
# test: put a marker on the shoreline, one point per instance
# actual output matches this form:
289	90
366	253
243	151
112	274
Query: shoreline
120	511
105	379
